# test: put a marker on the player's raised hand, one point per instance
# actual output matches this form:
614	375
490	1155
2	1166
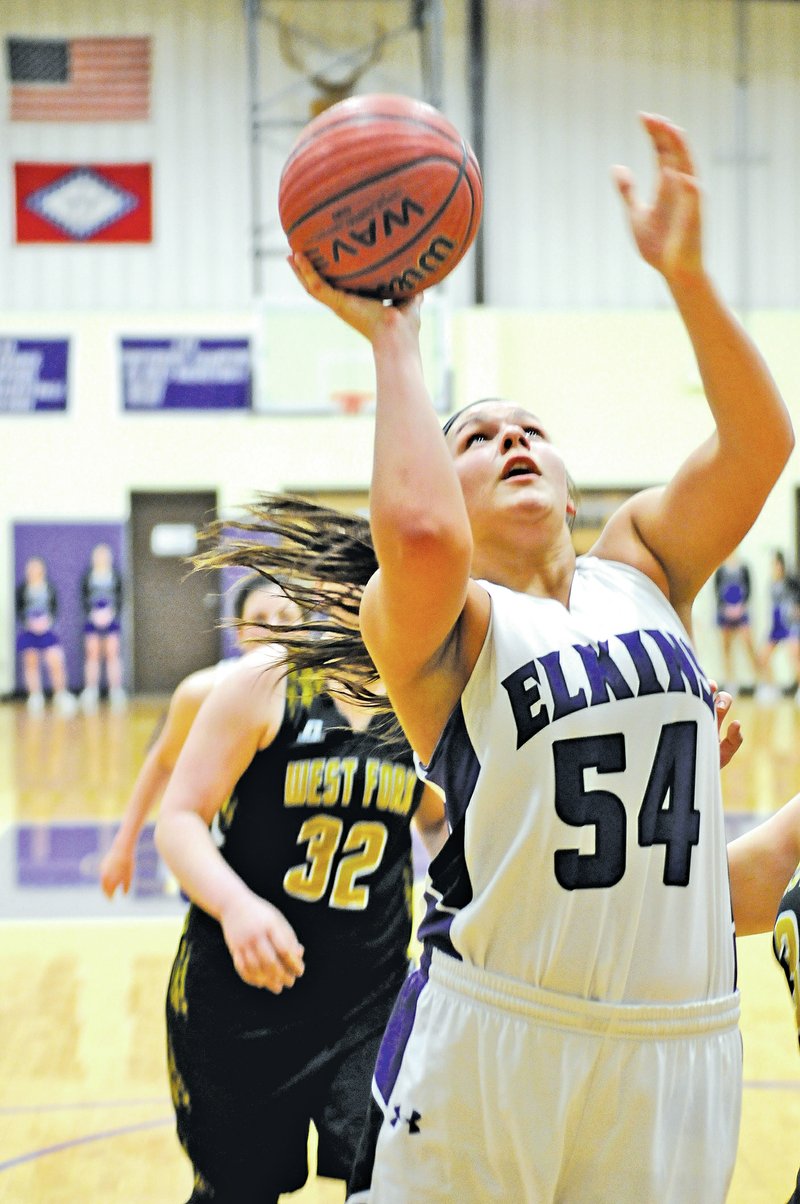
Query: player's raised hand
667	232
365	314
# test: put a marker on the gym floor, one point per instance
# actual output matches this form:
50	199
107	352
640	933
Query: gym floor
85	1109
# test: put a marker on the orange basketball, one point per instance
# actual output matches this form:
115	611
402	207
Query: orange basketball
382	194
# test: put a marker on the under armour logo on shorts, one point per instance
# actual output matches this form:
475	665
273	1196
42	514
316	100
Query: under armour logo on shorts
411	1120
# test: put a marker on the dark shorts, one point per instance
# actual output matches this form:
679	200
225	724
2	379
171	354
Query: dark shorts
244	1099
780	629
113	628
733	621
795	1196
29	639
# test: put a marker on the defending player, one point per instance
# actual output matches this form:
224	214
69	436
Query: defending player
296	943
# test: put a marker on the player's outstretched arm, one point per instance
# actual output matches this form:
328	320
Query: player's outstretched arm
761	863
116	868
695	522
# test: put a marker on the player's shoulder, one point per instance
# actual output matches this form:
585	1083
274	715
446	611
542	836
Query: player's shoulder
260	669
195	686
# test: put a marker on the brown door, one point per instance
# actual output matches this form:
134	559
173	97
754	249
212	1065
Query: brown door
175	611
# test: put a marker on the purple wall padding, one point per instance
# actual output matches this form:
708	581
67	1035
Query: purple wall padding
66	549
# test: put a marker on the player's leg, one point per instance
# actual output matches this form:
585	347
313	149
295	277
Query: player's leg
57	668
340	1110
473	1098
247	1141
727	634
91	671
113	659
32	677
661	1120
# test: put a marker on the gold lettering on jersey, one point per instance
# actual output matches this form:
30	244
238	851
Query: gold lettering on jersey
394	785
329	782
786	942
371	774
315	769
295	792
348	766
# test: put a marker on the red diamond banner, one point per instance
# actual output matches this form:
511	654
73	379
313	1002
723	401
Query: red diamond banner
80	203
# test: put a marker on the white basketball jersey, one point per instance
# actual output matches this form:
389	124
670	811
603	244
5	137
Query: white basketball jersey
581	775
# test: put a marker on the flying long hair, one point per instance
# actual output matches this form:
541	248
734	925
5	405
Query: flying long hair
322	559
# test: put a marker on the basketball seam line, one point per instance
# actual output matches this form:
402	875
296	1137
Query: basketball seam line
462	175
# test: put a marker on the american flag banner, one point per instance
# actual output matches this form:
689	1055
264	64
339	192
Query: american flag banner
79	79
82	203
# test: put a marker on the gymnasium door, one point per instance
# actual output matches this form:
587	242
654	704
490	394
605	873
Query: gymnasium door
175	615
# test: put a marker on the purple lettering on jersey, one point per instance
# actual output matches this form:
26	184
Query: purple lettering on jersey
645	669
605	677
564	703
522	687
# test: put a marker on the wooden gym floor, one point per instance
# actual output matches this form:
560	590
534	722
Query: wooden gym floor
86	1116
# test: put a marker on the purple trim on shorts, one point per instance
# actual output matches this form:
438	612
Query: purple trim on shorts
398	1030
30	639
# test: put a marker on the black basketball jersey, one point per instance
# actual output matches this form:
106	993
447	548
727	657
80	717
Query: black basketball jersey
319	825
786	940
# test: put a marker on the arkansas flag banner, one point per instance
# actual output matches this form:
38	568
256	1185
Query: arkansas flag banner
64	202
79	79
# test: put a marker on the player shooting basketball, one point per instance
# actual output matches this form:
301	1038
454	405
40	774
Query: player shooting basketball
579	958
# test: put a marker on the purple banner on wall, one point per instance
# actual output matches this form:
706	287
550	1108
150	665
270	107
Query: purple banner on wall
33	375
186	374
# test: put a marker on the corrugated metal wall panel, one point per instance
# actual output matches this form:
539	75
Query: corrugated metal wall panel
775	146
196	140
566	79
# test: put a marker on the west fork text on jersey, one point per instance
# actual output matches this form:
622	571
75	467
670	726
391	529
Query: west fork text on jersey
328	782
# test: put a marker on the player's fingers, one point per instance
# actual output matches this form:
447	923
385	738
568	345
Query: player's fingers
251	971
286	946
669	143
623	179
305	272
731	743
277	972
292	961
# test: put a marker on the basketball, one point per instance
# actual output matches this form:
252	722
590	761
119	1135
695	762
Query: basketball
382	194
